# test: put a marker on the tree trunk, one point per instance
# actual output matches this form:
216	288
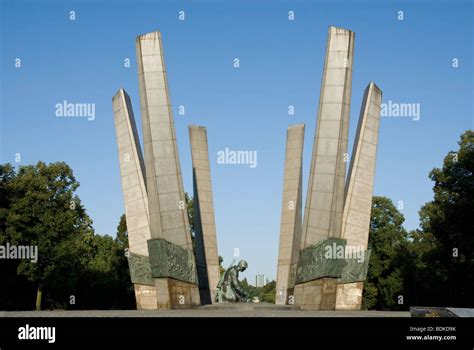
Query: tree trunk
39	294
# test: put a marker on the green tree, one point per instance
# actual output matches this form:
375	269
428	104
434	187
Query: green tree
422	269
45	212
7	174
15	290
105	281
122	233
445	246
268	292
251	291
127	300
388	245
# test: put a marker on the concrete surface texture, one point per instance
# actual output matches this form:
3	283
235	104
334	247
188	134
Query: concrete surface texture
325	195
166	201
168	218
359	190
207	258
132	171
291	215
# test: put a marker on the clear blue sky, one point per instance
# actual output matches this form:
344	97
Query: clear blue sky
245	109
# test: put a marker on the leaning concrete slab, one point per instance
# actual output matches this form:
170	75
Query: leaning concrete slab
325	196
135	199
291	215
207	259
166	201
359	190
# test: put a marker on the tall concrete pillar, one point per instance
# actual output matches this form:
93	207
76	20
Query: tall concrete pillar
170	247
291	215
135	199
325	197
207	259
359	191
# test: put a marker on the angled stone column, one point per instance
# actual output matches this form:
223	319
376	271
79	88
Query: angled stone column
170	247
207	259
359	191
316	289
135	199
325	197
291	215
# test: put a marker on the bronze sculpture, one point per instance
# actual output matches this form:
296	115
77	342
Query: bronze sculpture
229	288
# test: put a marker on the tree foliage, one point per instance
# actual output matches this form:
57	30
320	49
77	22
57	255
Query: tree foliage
444	247
75	267
433	265
388	244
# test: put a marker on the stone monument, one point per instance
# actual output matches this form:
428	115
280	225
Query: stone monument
317	265
161	255
337	212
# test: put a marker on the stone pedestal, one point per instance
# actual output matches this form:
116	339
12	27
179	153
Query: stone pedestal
316	295
145	296
349	296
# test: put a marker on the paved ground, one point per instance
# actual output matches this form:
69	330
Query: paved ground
209	312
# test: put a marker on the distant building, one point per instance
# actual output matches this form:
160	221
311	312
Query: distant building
259	280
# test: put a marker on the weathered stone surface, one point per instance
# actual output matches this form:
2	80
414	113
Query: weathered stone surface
140	270
207	258
132	170
168	260
355	270
168	218
314	263
135	197
174	294
359	187
325	196
166	202
360	180
349	296
145	296
291	214
316	295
